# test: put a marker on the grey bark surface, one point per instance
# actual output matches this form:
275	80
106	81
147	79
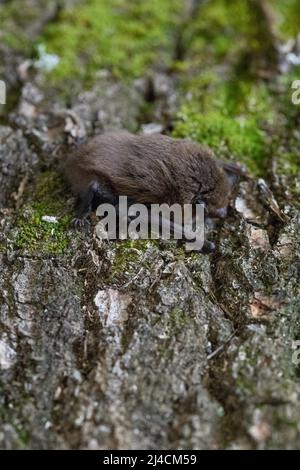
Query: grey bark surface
141	345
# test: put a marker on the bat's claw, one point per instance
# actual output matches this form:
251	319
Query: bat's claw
80	223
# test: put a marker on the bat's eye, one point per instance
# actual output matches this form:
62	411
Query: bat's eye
199	200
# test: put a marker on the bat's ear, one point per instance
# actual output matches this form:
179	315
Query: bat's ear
234	171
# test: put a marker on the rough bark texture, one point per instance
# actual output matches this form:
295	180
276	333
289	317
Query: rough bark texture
137	344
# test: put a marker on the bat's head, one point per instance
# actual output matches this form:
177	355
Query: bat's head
215	196
219	180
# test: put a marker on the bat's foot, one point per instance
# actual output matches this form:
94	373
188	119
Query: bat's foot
80	222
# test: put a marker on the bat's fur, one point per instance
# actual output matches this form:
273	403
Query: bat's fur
148	169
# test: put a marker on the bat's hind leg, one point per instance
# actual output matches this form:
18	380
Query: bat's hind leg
89	200
84	206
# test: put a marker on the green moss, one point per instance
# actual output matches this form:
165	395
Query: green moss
32	233
227	136
287	18
23	437
289	163
221	25
17	17
225	32
124	37
129	253
225	108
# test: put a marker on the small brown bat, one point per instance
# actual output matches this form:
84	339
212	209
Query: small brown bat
148	169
